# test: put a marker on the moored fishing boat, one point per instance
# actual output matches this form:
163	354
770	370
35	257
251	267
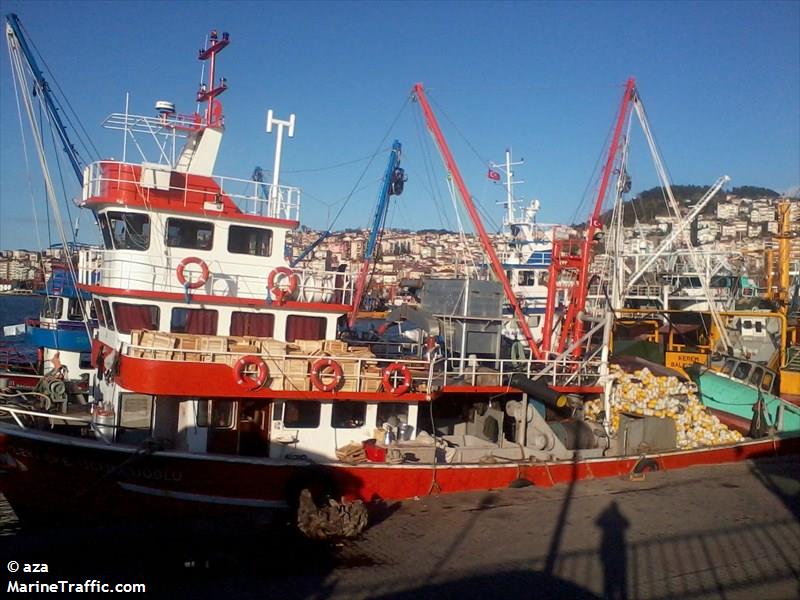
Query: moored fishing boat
224	383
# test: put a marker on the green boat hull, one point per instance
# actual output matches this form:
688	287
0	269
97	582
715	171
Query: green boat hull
734	397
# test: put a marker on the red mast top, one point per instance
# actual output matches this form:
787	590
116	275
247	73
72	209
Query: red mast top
208	92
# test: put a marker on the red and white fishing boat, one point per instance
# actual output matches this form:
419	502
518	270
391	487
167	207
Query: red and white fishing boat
224	382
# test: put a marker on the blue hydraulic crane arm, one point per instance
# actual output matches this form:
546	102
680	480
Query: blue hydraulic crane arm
391	179
44	89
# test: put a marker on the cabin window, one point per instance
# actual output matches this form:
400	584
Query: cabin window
215	414
75	309
756	375
92	310
107	314
85	360
766	382
742	371
348	415
98	311
135	316
107	243
260	325
298	414
392	413
727	368
527	277
305	328
197	320
52	307
195	235
136	413
249	240
759	326
747	324
129	231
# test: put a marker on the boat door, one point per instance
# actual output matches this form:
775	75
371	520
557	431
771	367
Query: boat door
253	426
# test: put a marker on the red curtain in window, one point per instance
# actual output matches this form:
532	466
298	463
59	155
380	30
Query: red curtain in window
305	328
134	316
252	324
203	322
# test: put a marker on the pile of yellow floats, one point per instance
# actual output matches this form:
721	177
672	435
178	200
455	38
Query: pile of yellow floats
645	394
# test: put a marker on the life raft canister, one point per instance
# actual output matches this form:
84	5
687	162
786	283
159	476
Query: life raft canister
243	379
327	367
277	292
390	375
192	260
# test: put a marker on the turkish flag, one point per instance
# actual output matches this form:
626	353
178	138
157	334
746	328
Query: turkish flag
494	175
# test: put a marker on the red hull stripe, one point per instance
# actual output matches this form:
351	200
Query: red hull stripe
54	467
99	290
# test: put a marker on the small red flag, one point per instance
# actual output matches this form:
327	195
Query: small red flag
494	175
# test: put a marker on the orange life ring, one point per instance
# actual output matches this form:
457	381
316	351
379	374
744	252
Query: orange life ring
282	295
240	368
389	376
192	260
333	368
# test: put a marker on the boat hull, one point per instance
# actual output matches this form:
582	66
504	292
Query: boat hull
50	475
720	393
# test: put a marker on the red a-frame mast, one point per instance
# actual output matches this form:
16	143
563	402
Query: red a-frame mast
497	267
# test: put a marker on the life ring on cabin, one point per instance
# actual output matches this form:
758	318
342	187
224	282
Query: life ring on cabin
240	369
389	376
330	367
280	294
192	260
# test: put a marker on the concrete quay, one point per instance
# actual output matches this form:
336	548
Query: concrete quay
727	532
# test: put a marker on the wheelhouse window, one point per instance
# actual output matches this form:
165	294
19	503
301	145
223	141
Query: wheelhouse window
105	230
305	328
107	317
348	415
742	371
298	414
135	419
766	382
75	309
260	325
215	414
129	231
98	311
195	235
135	316
85	360
527	277
52	307
249	240
195	320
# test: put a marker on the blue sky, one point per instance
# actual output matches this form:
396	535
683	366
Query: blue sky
720	81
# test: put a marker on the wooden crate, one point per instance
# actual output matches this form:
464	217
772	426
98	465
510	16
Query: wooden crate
213	343
297	383
272	347
335	347
244	349
188	342
296	367
371	380
310	347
